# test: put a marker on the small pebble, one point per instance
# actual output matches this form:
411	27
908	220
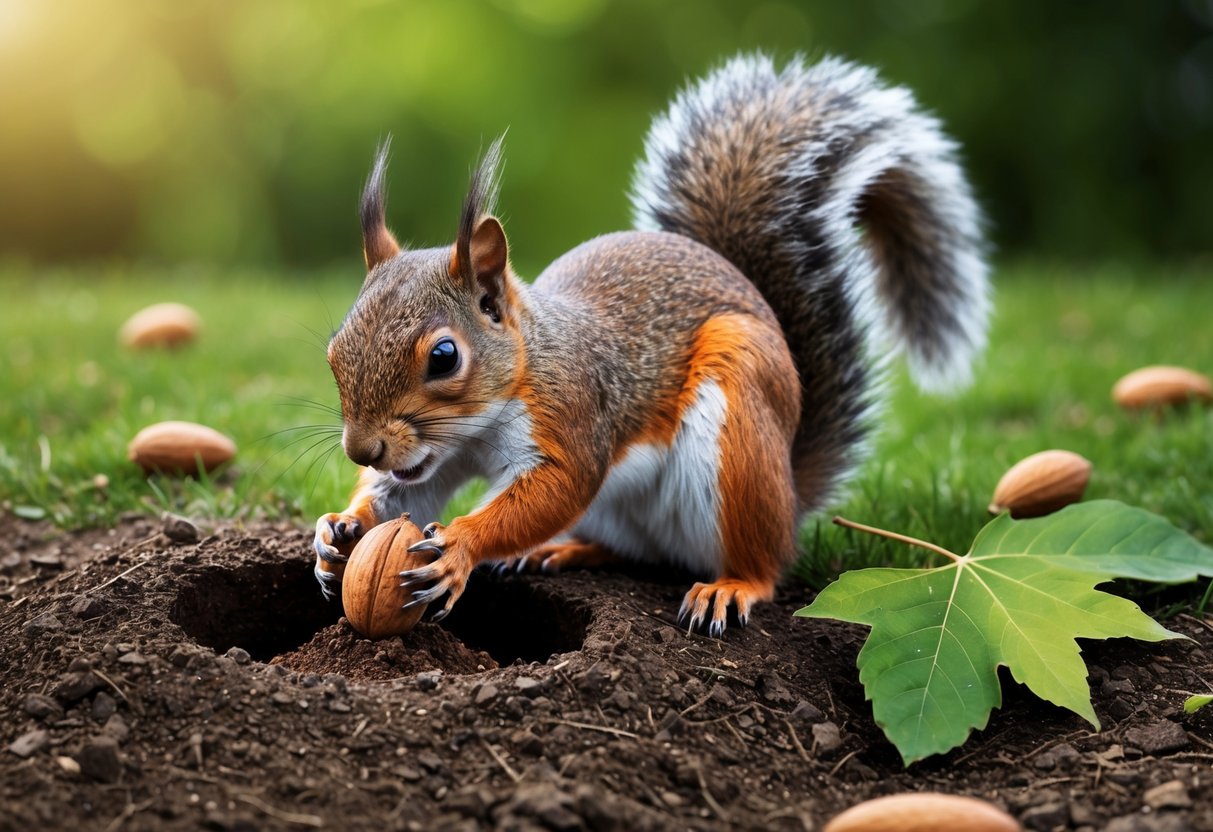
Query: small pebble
76	685
429	679
99	760
30	743
775	690
528	686
826	737
41	624
239	655
178	529
116	727
104	706
41	706
807	712
87	607
486	694
68	765
1161	737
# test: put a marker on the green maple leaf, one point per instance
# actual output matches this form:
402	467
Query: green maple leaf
1019	599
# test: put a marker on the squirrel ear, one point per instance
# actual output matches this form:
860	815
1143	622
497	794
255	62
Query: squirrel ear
489	252
378	244
487	257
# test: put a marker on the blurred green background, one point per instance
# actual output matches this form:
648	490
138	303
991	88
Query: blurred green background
212	151
228	132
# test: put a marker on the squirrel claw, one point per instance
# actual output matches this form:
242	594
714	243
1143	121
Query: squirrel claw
423	597
426	546
329	583
709	603
418	575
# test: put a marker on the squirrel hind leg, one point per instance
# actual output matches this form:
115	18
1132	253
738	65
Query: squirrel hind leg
757	509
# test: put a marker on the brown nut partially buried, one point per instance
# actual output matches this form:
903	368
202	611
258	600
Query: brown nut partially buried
370	587
161	325
1041	484
179	447
924	812
1157	387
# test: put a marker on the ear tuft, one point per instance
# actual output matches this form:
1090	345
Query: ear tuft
480	200
378	244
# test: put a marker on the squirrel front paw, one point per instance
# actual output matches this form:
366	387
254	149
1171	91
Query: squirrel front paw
336	536
446	575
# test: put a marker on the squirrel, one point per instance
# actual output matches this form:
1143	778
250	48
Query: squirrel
685	392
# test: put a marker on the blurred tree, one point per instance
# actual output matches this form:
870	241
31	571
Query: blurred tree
240	131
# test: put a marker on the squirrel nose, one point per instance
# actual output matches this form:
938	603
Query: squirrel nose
366	453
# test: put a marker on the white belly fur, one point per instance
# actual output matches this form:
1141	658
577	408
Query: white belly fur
663	503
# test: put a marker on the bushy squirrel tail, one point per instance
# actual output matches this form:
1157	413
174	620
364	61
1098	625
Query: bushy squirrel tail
846	206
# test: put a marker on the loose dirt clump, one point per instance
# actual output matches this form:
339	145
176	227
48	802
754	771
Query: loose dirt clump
340	649
202	682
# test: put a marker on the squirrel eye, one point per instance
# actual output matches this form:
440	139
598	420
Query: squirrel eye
444	358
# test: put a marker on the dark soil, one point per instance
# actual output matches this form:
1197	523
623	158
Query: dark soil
147	684
339	649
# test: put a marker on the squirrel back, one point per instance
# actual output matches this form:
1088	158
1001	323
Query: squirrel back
847	208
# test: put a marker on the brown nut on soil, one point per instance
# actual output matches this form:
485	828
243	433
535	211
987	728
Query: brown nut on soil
179	447
1161	387
161	325
370	587
923	812
1041	484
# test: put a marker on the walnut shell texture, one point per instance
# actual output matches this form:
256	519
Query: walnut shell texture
179	447
923	812
1041	484
370	587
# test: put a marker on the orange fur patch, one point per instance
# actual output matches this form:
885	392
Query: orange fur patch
543	501
378	246
751	363
362	500
749	360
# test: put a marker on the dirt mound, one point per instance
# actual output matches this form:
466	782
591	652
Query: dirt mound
340	649
149	684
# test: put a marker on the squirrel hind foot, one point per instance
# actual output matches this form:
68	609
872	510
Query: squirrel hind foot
720	595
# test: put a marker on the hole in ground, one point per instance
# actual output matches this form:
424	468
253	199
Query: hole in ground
266	608
270	609
513	618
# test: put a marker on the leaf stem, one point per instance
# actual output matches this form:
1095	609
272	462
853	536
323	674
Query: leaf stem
913	541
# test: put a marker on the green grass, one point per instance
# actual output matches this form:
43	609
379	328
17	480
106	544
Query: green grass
73	397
